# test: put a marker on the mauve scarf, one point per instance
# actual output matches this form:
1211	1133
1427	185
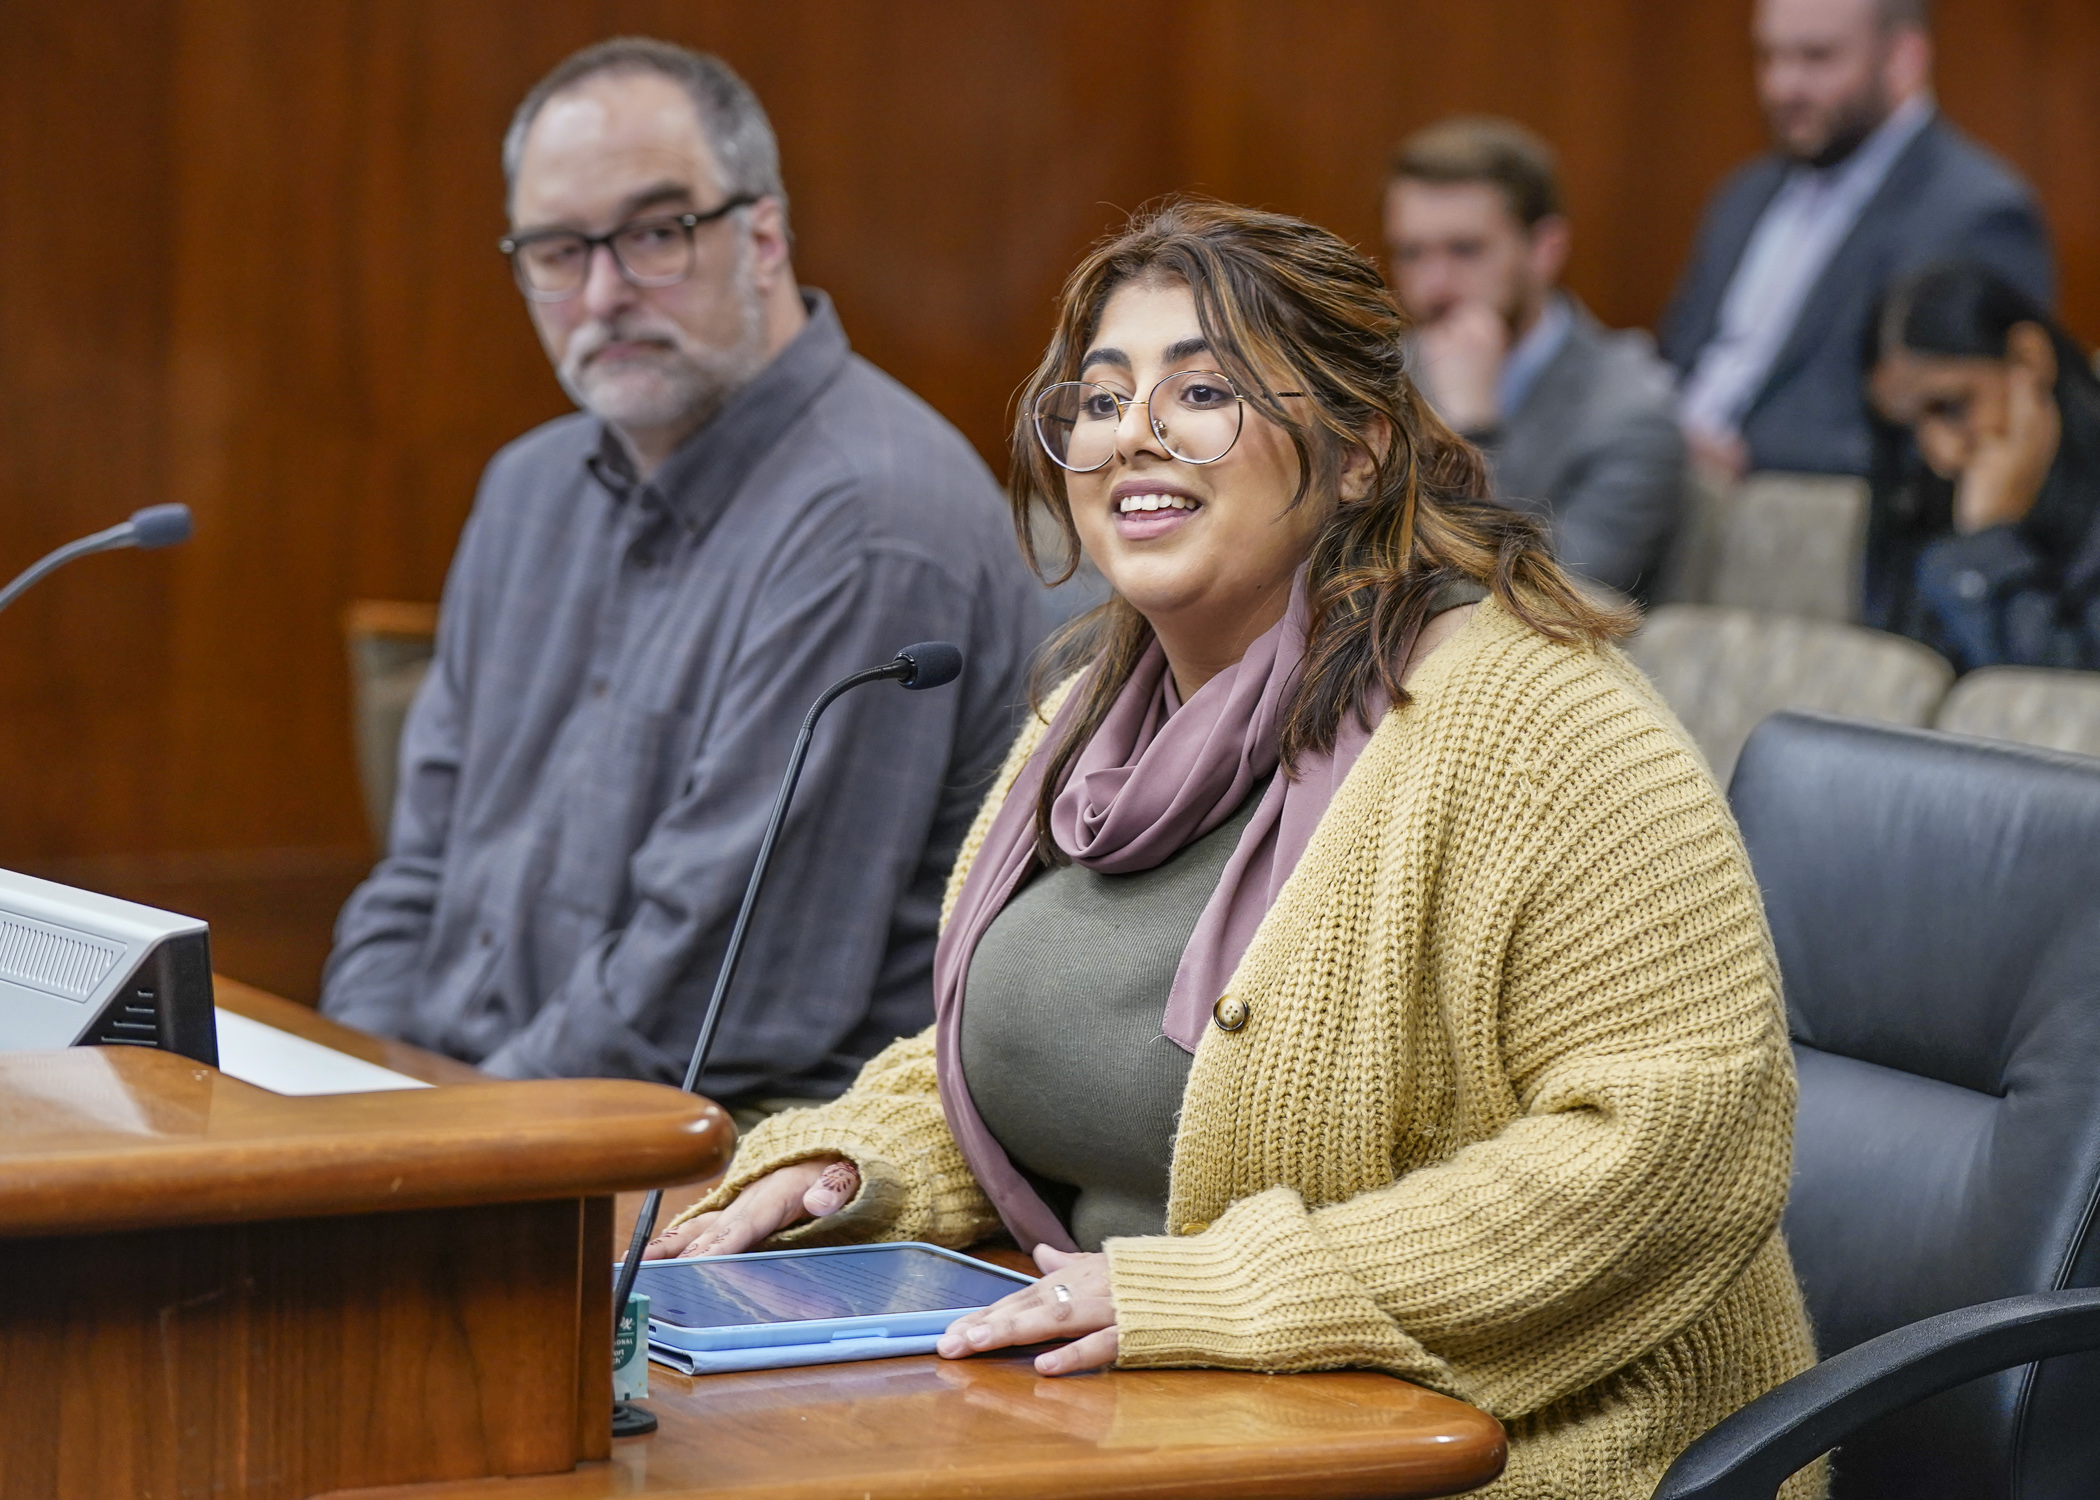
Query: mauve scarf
1158	775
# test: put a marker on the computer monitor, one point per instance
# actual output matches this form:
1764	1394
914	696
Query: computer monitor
81	969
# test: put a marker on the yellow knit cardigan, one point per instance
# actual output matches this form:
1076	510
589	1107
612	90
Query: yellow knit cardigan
1512	1113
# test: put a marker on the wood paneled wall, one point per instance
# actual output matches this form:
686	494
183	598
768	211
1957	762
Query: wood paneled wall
246	262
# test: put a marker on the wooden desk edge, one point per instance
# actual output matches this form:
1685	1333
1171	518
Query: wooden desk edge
232	1153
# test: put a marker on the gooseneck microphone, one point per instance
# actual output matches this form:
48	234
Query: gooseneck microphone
929	664
155	526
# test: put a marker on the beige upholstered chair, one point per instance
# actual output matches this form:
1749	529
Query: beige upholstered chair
1788	544
1724	670
1792	546
2033	705
390	648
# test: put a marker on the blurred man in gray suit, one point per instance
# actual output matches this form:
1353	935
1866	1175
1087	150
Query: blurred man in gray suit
1576	419
1865	182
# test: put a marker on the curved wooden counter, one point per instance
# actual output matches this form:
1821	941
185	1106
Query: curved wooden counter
207	1289
101	1139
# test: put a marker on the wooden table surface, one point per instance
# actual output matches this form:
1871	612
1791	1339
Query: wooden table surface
923	1428
918	1428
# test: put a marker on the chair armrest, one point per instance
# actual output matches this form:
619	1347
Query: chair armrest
1750	1454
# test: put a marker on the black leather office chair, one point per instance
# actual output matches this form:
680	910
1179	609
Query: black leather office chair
1935	901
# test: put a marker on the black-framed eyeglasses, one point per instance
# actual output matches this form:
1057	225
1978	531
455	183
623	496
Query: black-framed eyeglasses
552	264
1196	415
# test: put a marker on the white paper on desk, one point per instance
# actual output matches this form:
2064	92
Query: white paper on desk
286	1064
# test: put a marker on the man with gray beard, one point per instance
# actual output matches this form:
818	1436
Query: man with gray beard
648	596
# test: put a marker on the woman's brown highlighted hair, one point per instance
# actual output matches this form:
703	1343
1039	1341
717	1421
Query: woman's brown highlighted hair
1278	298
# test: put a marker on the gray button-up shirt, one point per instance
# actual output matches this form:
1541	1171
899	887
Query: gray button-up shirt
621	669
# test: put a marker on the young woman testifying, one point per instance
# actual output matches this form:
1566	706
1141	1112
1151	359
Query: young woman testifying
1358	968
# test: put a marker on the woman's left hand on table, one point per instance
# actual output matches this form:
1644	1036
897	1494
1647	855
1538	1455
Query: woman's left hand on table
1086	1314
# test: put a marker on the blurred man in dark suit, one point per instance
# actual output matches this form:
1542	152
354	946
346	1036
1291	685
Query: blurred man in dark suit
1576	420
1866	180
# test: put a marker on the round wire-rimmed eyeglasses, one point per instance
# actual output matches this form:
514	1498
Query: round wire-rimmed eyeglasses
1195	414
552	265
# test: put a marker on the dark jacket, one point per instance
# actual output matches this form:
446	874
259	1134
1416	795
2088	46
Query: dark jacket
2027	594
1593	449
1945	198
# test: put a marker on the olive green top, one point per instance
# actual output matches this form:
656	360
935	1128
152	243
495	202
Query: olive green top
1061	1042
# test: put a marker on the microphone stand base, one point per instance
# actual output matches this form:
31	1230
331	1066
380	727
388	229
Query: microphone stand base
630	1420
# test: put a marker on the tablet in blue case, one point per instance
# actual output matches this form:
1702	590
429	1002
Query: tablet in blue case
776	1308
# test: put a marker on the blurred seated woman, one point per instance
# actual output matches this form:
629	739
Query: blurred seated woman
1989	552
1353	965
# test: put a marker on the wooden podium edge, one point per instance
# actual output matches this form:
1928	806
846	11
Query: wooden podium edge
215	1150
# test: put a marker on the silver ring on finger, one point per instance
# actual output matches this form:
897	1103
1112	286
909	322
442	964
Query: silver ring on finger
1061	1292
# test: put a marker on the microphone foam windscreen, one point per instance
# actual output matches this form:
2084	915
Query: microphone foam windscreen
160	526
932	664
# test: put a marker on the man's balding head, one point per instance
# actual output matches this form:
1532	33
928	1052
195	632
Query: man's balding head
635	136
739	136
1829	71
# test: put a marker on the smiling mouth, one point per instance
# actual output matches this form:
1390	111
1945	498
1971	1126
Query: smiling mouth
1133	504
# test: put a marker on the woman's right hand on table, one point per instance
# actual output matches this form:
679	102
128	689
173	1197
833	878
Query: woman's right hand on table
806	1190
